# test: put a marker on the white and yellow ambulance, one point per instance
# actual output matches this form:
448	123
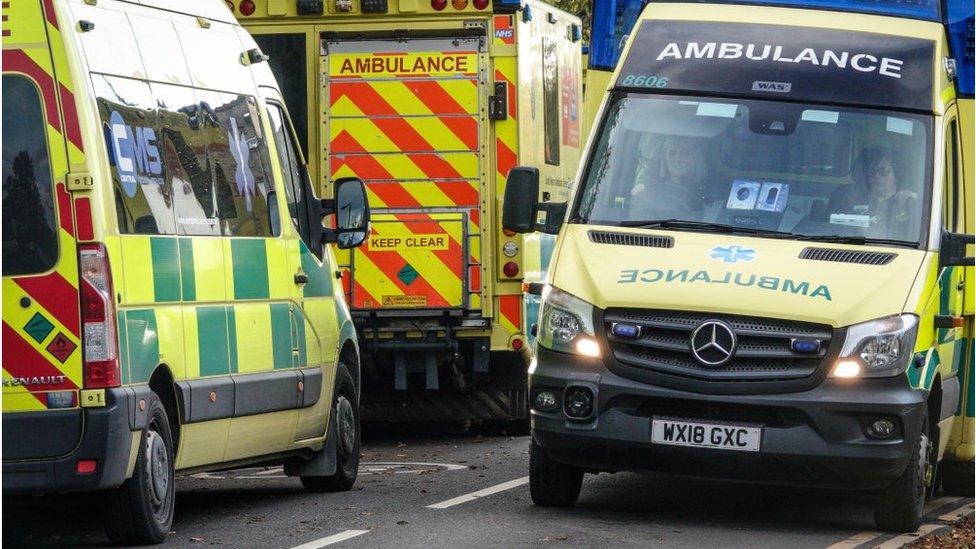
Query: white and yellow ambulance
169	292
761	273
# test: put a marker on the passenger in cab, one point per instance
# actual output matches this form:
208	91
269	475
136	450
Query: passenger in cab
875	193
671	181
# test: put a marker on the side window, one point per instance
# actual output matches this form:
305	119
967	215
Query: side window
950	192
550	100
238	158
290	168
30	233
183	149
296	180
143	196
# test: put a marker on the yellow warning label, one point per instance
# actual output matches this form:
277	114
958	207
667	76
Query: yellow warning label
404	301
409	242
398	64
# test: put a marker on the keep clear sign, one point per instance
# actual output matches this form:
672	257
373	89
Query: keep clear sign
401	243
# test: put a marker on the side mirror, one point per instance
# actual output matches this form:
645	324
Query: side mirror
520	208
952	250
351	209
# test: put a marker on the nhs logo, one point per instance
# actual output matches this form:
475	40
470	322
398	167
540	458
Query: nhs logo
777	87
135	154
504	34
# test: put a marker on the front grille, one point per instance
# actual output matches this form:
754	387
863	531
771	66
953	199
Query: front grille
764	345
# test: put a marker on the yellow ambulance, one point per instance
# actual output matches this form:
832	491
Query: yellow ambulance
431	103
762	272
169	292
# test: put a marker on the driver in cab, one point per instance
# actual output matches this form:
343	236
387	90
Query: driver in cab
670	178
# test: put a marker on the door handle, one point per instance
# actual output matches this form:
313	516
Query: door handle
961	285
301	278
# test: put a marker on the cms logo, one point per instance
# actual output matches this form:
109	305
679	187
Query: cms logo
135	153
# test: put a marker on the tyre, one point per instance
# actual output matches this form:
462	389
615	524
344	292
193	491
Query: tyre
552	484
346	422
899	506
140	511
957	478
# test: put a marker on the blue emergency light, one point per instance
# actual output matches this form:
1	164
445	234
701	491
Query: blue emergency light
959	24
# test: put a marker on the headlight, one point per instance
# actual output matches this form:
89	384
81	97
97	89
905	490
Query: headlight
566	324
879	348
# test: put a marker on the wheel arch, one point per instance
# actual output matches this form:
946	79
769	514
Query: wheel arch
163	384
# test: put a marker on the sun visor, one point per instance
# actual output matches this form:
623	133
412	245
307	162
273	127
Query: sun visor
774	61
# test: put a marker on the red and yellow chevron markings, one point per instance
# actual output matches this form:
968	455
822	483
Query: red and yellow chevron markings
407	125
41	318
411	260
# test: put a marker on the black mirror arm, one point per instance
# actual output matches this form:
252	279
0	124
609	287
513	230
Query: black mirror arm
952	250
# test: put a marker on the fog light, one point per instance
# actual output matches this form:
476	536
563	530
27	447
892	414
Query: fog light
847	368
882	428
545	401
578	402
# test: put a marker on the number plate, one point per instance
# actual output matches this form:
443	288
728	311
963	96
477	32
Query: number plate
724	436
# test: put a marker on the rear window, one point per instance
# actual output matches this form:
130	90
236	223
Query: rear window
30	233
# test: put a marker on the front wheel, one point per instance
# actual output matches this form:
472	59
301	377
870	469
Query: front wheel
141	510
345	422
552	484
899	506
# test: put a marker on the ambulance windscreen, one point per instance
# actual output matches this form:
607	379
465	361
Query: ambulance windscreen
806	171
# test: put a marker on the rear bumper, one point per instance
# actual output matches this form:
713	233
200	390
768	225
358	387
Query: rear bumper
812	438
107	436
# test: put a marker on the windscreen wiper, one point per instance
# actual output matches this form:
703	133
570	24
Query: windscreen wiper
703	226
858	240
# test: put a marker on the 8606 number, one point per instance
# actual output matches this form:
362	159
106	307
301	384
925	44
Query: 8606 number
644	81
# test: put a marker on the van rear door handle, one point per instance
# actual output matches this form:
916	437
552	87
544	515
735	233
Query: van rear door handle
301	278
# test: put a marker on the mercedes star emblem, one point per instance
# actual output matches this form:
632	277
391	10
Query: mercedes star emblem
713	343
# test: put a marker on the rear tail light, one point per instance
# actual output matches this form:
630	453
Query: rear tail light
247	7
510	269
438	4
100	336
230	5
480	4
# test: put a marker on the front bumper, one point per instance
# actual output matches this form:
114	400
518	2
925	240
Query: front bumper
813	438
107	438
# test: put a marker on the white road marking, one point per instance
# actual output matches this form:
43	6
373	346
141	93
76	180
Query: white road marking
329	540
370	468
480	493
855	540
958	512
